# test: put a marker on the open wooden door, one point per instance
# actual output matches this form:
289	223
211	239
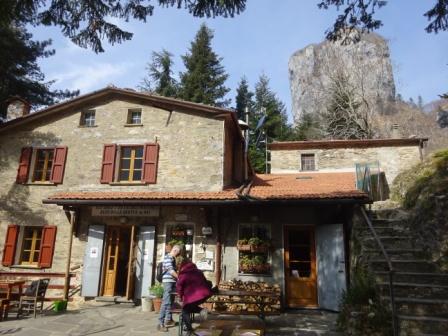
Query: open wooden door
112	253
300	266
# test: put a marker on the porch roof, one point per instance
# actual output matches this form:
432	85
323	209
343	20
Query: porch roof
269	187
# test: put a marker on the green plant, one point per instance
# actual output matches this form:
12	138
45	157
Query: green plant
156	290
242	242
255	241
173	242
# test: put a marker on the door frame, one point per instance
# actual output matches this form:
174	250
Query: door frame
131	256
312	228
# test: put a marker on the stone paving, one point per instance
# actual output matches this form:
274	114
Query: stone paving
127	320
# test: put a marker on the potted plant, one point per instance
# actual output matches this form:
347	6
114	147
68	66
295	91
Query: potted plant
157	293
257	245
243	245
60	305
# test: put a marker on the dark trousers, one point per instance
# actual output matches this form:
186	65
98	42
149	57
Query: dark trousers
187	311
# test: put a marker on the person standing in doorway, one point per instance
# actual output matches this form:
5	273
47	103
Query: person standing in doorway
169	284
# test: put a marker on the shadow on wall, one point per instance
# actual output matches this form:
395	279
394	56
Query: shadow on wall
15	203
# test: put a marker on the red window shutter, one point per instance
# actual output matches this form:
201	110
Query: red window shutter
9	249
108	167
47	246
24	165
57	171
150	160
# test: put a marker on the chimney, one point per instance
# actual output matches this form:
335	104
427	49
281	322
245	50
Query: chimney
17	107
396	131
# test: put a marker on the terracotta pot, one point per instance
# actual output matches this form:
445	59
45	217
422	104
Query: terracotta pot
157	302
245	247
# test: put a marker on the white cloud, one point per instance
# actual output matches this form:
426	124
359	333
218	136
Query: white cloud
89	77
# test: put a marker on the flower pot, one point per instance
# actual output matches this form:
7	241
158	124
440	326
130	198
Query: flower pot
157	302
60	306
147	305
243	247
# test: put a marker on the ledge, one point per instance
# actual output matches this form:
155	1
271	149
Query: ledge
127	183
133	125
83	126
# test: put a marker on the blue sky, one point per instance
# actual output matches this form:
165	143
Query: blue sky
260	40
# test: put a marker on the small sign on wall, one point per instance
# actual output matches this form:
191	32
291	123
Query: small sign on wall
94	252
133	211
205	265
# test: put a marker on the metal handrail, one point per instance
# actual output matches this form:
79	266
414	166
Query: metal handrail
391	271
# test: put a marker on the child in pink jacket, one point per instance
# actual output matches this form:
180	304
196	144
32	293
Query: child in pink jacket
193	289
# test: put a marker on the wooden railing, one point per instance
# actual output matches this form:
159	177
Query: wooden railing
41	275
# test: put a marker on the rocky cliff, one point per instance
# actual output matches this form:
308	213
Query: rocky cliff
367	63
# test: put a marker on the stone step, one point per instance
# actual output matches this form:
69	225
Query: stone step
394	253
415	290
388	242
382	231
388	222
420	307
412	265
414	277
416	325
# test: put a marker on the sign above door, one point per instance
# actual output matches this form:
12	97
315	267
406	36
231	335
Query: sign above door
133	211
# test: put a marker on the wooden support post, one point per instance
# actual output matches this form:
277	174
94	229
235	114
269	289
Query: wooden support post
72	215
218	256
129	285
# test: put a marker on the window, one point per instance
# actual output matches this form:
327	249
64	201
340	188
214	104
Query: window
88	118
29	246
131	164
29	254
43	165
307	162
134	117
180	234
254	245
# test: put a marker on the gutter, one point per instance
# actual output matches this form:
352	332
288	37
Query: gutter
253	201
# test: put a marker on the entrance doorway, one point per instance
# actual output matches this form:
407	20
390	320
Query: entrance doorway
300	266
118	262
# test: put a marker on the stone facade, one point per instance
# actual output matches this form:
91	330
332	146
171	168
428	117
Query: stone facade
392	160
190	142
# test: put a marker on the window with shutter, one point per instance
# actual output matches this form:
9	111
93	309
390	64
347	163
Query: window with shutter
108	165
47	246
9	249
57	171
150	162
31	244
24	165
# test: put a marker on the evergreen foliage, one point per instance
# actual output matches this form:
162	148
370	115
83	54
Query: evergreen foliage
20	72
159	79
204	78
243	98
88	22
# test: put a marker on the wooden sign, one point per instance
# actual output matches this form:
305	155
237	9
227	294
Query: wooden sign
131	211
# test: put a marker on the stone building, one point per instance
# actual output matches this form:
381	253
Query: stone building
101	184
390	156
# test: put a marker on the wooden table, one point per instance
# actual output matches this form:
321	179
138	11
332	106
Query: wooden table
9	285
231	327
260	299
7	296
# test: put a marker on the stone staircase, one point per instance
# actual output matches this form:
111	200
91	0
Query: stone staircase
421	291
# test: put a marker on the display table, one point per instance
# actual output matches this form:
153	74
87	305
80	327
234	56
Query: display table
252	303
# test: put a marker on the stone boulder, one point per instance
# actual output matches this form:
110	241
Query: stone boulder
367	64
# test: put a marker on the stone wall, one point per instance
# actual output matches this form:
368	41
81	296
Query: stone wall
392	160
189	143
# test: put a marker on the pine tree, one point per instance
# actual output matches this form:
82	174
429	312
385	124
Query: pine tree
420	102
243	98
159	79
20	72
204	78
275	126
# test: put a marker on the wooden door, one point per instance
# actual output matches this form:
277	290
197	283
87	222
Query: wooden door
300	267
112	252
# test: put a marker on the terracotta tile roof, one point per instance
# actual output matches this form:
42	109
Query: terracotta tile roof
330	144
299	186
